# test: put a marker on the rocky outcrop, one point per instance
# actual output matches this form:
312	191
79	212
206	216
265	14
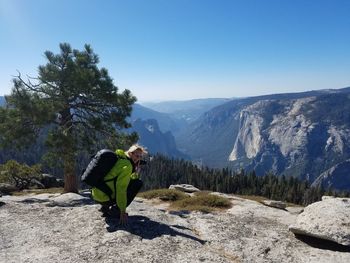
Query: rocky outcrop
49	181
328	219
44	181
69	228
274	203
6	188
273	135
187	188
249	140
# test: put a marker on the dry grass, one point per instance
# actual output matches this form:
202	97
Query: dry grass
163	194
200	201
200	193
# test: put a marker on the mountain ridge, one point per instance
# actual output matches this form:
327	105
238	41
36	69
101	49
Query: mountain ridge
284	133
300	134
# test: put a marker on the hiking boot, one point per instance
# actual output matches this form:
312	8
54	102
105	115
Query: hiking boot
105	210
114	211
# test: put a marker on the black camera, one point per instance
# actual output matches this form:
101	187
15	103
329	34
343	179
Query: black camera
142	162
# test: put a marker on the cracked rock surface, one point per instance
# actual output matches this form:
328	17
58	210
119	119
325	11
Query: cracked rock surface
69	228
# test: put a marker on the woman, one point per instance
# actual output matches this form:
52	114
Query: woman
123	180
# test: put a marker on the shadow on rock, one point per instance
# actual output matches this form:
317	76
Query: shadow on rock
73	203
33	200
148	229
2	203
322	243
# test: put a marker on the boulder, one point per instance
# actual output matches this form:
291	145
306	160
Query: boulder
60	182
328	219
187	188
276	204
49	181
36	184
6	189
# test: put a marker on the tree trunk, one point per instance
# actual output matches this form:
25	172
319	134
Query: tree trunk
70	183
70	179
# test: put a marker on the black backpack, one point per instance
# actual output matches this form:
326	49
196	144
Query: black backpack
98	168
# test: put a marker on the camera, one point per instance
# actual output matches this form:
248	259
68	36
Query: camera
142	162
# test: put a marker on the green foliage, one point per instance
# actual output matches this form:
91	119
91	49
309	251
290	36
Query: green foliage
164	194
18	174
75	101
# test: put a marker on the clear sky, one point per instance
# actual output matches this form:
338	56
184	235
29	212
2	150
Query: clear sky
185	49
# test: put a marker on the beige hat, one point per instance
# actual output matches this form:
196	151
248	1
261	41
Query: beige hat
136	147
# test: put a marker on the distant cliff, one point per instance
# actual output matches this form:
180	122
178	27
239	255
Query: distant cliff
187	110
299	134
165	122
154	139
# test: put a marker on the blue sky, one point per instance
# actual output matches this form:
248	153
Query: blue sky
186	49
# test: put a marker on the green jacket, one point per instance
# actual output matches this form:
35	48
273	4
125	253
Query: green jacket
123	172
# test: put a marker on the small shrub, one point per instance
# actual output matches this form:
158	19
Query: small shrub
21	175
202	202
4	178
202	193
164	194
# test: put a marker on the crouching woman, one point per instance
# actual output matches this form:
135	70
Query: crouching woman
123	180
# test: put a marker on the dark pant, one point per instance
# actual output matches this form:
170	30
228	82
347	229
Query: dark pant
133	188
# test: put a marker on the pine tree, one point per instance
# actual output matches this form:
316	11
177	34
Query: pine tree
75	101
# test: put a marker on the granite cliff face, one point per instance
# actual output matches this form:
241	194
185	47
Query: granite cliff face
165	121
303	135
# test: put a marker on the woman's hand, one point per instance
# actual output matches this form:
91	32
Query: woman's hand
123	219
